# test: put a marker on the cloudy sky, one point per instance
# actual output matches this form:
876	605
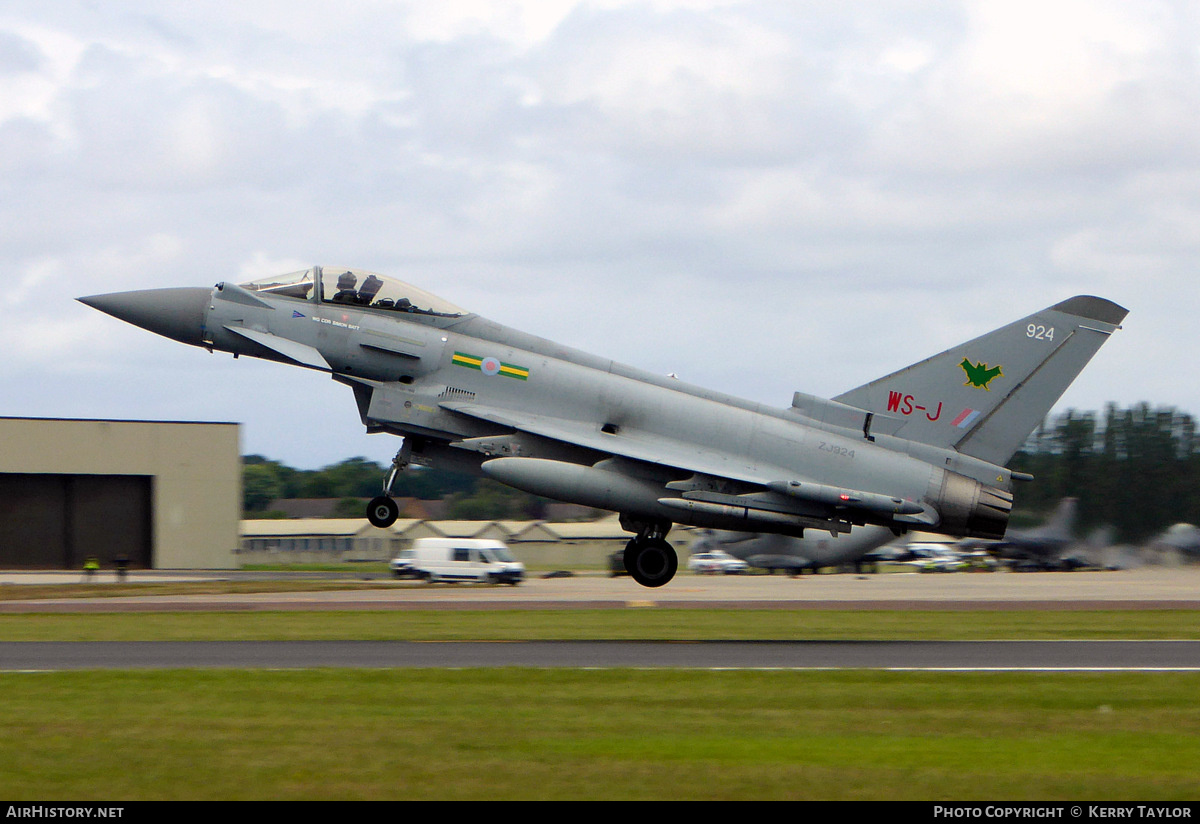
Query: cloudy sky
758	196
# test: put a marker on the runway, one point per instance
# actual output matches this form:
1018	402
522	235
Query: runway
1146	588
1151	588
1093	656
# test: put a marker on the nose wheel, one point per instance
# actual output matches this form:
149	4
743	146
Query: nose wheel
382	512
651	562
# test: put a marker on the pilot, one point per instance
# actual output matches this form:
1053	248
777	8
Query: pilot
345	285
369	289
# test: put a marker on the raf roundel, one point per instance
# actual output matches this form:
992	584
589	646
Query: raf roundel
489	366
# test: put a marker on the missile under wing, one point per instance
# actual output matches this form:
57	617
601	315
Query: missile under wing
922	448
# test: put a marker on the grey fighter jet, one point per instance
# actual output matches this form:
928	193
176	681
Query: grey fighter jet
1045	547
922	448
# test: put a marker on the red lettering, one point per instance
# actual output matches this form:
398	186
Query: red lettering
907	404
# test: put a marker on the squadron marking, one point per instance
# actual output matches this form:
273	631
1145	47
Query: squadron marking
490	366
978	375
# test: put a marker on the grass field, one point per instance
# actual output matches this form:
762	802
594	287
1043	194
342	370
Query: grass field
605	734
551	734
606	624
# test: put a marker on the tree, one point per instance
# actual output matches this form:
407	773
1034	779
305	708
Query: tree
1134	469
492	501
260	486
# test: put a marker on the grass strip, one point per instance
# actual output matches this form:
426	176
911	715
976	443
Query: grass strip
617	734
605	624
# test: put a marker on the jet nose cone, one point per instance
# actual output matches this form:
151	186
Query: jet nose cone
176	313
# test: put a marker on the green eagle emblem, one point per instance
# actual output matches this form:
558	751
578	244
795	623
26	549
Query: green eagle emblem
979	375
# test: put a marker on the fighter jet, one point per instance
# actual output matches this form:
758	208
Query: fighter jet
795	555
1179	540
1042	547
921	448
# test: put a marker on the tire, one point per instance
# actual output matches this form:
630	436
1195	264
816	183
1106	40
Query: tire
382	512
652	563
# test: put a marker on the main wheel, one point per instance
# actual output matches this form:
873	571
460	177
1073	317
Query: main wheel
652	562
382	512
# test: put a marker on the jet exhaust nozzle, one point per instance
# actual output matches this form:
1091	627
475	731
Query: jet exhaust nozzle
972	509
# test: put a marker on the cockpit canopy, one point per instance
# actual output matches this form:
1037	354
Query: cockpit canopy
355	287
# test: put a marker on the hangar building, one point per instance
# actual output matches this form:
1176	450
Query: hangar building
165	495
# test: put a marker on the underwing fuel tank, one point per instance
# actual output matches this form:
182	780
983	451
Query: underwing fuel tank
576	482
602	488
605	489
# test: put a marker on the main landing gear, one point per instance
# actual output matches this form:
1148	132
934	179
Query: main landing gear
650	560
382	511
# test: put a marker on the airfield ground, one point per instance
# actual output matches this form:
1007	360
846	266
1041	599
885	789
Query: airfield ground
1143	588
520	732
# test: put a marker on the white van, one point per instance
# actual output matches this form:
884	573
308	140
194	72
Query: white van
459	559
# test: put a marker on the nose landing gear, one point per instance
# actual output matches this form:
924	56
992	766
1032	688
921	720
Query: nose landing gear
382	511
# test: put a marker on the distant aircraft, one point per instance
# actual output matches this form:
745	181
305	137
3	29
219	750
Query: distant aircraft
1044	547
922	448
795	555
1180	538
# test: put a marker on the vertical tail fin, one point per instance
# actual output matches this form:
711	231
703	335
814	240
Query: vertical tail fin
985	396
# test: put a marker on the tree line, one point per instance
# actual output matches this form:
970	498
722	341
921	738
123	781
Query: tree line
468	497
1136	470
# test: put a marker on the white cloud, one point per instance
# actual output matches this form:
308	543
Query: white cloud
759	196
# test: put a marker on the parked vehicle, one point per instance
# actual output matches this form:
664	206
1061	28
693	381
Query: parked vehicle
456	559
716	561
934	558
